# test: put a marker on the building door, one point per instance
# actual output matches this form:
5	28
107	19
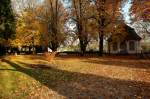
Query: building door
123	48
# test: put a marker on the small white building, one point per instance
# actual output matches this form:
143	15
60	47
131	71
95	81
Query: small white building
129	45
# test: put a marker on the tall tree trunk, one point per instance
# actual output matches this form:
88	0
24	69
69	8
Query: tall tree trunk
54	48
82	47
101	28
2	50
108	47
101	45
54	45
101	36
46	45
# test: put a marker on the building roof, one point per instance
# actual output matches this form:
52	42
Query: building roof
132	35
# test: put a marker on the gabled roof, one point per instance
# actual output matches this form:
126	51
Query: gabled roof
132	35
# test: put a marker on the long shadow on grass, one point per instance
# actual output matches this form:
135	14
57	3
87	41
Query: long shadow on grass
130	63
7	70
83	86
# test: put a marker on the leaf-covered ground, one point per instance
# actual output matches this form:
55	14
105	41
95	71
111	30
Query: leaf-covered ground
31	77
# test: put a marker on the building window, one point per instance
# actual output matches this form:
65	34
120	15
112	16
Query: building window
132	46
115	46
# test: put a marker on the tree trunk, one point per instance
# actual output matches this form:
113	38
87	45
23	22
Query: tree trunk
54	45
82	47
101	37
101	26
54	49
108	47
2	50
30	49
46	49
101	41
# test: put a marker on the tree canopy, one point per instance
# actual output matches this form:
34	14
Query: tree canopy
7	24
7	20
53	23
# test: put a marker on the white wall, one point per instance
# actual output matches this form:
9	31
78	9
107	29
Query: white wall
137	46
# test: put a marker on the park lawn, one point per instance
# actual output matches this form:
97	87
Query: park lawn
32	77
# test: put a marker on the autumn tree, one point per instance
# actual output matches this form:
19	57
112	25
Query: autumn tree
7	23
80	14
140	15
26	24
52	17
106	14
28	30
140	10
42	23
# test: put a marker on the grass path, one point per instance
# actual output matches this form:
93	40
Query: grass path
31	77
